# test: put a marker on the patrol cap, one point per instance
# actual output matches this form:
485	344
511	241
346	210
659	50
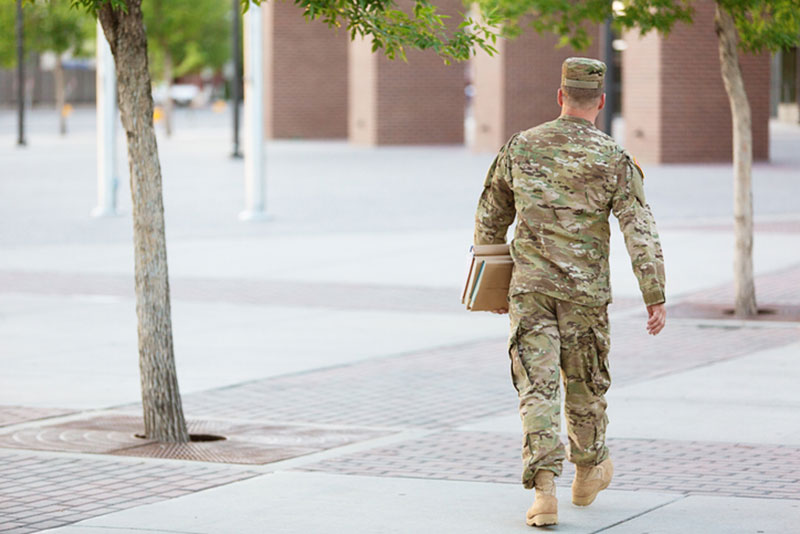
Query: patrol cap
582	73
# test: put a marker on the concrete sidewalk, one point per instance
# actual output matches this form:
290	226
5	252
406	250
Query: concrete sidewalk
354	393
295	502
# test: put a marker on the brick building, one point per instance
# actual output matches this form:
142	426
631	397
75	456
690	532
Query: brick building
320	85
420	101
305	75
673	100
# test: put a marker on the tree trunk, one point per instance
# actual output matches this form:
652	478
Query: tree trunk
58	74
745	304
161	401
168	101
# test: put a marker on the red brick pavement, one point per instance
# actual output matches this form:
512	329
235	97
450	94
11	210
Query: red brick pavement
244	291
38	492
776	288
438	389
688	467
11	415
261	292
421	389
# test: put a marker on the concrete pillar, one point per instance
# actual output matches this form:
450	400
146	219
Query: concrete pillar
416	102
106	106
255	186
305	75
673	99
516	89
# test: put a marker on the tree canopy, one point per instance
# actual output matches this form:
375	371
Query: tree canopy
59	27
765	24
762	24
195	34
50	25
392	28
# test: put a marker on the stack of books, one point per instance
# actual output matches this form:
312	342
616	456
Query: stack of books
488	278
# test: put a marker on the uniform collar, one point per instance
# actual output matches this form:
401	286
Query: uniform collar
578	120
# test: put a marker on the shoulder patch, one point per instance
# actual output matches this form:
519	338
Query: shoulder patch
638	167
633	161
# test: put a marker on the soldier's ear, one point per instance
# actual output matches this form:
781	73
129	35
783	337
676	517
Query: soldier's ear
602	103
560	97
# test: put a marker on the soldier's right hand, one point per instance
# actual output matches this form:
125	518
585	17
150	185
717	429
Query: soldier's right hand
657	316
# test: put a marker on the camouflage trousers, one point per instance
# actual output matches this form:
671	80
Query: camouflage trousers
552	338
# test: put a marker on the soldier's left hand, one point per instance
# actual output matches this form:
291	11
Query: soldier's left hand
500	311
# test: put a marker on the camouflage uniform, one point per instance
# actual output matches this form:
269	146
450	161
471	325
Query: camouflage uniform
561	180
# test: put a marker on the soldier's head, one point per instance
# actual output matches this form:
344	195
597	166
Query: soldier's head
582	83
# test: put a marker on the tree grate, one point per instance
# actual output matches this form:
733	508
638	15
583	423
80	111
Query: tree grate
241	443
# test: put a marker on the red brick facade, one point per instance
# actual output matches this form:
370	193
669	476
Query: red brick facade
394	102
305	76
318	85
674	102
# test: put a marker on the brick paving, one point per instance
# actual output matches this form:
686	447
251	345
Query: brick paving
476	374
259	292
38	491
780	288
241	291
368	399
376	393
688	467
11	415
777	295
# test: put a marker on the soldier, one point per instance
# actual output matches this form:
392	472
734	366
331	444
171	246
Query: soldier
561	180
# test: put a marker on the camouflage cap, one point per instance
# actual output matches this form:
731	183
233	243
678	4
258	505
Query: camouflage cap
582	73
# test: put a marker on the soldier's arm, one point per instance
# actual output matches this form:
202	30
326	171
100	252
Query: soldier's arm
639	228
496	210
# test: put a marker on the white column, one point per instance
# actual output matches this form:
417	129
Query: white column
106	130
254	181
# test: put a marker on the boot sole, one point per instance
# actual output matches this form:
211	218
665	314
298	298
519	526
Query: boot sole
543	520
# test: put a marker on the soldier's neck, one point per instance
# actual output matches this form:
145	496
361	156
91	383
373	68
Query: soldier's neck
587	114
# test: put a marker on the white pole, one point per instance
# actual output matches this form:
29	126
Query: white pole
254	182
106	129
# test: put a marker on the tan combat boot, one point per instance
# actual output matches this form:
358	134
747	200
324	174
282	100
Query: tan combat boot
590	480
544	511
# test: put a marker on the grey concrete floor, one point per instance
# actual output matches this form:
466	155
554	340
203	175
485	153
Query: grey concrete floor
317	299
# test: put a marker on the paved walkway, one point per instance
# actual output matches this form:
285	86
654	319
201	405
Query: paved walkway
353	396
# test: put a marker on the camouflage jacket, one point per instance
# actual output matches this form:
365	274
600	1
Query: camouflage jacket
561	180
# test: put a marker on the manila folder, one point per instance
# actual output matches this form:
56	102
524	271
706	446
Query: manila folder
491	285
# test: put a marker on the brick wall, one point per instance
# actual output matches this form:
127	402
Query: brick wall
516	89
678	111
394	102
420	102
305	75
